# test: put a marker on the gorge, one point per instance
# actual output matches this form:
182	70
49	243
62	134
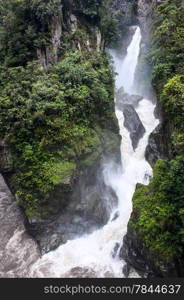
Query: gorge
102	246
92	158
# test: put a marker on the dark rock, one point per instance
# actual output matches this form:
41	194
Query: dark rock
87	210
139	257
92	195
143	75
133	124
126	270
124	98
132	99
158	144
115	250
127	104
134	251
6	162
126	23
129	9
146	10
88	203
116	215
49	54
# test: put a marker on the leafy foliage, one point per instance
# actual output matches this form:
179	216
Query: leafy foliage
159	207
26	26
17	34
173	100
167	54
45	10
48	120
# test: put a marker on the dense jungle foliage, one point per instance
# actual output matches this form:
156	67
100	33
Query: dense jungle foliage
49	117
159	207
25	25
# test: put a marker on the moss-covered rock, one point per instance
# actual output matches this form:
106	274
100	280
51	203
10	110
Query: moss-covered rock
157	219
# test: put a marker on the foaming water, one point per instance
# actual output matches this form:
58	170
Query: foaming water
126	68
96	255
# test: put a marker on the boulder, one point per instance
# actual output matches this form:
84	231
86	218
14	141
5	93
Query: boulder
18	251
133	123
124	98
127	104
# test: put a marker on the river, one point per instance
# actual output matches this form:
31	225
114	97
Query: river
97	254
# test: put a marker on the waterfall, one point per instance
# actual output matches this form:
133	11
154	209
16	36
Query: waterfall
126	68
96	255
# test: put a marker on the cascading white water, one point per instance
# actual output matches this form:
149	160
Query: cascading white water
126	68
91	255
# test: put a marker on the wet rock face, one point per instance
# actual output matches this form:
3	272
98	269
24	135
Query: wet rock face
49	55
129	9
123	98
158	144
145	15
137	256
88	204
53	233
132	122
68	22
131	253
18	251
88	209
143	75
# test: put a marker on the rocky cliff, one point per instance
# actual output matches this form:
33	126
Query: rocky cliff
87	201
145	16
69	27
134	251
72	193
129	8
18	251
153	243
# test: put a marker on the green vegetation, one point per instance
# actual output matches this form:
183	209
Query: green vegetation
101	13
25	26
173	101
50	118
159	207
167	53
160	211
